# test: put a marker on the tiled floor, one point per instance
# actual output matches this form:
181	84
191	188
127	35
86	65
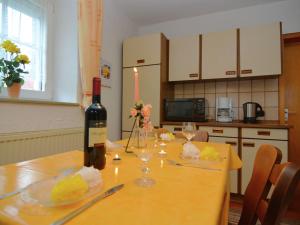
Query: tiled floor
236	207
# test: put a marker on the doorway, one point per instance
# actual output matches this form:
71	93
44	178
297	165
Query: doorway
291	94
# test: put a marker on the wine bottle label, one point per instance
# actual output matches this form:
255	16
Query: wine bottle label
97	132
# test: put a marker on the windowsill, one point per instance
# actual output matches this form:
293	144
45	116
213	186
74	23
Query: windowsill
41	102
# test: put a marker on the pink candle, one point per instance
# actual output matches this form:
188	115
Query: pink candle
136	85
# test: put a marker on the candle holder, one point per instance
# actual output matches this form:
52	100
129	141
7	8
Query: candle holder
117	159
126	148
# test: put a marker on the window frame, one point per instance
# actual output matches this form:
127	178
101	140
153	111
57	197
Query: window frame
45	94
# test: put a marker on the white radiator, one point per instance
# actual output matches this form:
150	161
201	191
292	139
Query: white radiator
17	147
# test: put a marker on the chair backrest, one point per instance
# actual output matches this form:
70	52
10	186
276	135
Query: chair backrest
259	186
160	131
270	212
201	136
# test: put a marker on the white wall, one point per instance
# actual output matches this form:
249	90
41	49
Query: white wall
116	28
65	51
16	117
286	11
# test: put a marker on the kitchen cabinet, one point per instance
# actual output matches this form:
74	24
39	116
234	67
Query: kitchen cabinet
219	55
260	50
152	76
142	50
234	145
251	140
184	58
227	135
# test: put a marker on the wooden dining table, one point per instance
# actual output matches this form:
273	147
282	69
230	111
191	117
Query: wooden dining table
180	196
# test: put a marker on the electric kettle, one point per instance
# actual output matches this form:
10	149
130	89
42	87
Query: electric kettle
252	110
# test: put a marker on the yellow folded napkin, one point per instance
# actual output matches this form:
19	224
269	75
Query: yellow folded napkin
69	188
209	153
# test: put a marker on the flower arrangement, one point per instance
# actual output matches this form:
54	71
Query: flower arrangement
10	66
142	114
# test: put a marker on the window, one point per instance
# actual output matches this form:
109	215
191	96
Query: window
24	22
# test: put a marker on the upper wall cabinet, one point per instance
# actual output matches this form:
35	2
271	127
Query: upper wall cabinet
143	50
219	55
260	50
184	58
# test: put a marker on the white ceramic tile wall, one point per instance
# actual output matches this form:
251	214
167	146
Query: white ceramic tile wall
262	91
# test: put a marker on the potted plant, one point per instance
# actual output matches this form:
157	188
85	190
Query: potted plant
11	68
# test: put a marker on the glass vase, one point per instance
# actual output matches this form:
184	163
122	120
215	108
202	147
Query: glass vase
139	137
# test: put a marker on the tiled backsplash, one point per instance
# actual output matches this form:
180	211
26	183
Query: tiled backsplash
262	91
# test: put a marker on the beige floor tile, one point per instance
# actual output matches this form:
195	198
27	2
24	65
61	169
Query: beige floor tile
178	95
245	86
221	86
244	97
232	86
199	87
271	84
258	97
271	99
188	95
210	87
234	99
211	98
178	89
258	85
211	113
198	95
241	113
235	113
188	89
271	113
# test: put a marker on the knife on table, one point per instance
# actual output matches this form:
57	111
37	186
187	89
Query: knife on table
76	212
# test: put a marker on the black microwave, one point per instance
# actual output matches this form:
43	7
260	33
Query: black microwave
186	109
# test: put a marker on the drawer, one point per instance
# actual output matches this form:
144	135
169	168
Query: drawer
261	133
221	131
172	128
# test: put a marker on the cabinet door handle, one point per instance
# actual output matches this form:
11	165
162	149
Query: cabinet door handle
246	71
140	61
231	143
177	128
193	75
230	72
248	144
263	133
217	131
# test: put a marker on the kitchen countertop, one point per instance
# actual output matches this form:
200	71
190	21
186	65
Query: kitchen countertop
238	123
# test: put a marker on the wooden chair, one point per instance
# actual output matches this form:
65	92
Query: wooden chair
259	186
286	183
160	131
284	177
200	136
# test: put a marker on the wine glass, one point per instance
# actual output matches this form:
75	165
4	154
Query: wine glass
145	155
189	130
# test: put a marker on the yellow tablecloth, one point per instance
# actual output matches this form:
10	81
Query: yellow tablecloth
181	195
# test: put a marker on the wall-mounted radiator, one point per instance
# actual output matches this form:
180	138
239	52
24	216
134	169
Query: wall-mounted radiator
17	147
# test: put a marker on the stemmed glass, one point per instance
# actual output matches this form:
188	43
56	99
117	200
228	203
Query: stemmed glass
189	130
145	154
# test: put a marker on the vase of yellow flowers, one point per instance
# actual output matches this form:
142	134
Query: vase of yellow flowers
11	68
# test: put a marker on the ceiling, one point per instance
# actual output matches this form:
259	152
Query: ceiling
146	12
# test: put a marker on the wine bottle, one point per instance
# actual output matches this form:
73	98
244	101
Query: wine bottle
95	131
